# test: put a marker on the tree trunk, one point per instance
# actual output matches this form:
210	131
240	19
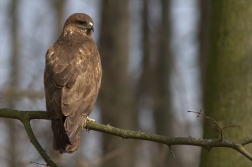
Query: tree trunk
116	98
162	95
13	81
204	30
228	91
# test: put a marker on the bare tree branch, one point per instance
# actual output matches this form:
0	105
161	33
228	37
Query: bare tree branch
220	129
26	116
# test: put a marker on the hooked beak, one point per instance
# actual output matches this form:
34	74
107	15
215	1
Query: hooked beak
91	26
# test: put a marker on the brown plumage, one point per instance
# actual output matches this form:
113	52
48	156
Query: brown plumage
72	81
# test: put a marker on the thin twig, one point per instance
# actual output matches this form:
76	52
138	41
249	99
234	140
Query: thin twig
201	115
170	149
38	164
222	134
232	126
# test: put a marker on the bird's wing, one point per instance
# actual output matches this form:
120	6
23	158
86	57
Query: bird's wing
53	92
72	82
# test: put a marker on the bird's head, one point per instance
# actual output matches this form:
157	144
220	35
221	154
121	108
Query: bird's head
80	22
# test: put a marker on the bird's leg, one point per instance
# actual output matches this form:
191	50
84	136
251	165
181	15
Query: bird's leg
85	121
90	119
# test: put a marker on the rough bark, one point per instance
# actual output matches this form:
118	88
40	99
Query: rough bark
227	93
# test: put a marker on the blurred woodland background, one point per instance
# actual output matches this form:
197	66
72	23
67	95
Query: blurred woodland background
160	59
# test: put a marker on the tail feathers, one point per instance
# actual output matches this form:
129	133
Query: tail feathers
75	142
61	140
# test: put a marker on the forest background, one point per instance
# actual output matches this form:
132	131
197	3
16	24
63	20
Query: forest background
160	59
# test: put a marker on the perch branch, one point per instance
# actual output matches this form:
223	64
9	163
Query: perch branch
127	134
25	117
206	143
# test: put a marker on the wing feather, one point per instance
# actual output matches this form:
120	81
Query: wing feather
56	112
58	68
71	81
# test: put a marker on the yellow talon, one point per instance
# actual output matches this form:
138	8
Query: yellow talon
90	119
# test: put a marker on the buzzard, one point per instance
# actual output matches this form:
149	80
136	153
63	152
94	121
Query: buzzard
72	80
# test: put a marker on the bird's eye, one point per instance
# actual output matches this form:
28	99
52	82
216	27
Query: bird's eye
81	22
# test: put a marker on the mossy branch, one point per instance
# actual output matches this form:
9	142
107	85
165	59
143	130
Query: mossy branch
26	116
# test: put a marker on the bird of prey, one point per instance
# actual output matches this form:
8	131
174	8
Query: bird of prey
72	80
